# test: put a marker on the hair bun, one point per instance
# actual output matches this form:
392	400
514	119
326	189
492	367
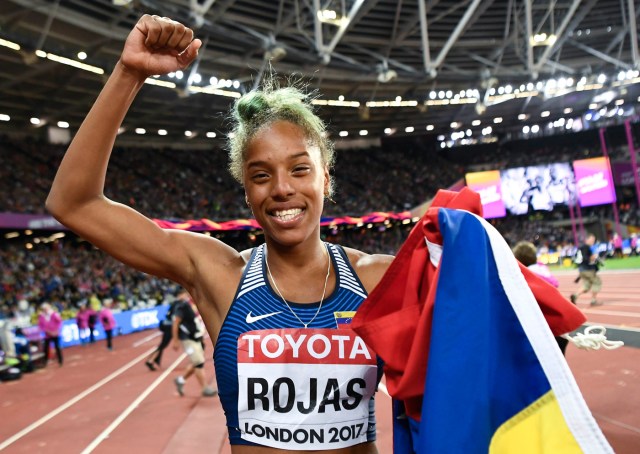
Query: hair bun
251	105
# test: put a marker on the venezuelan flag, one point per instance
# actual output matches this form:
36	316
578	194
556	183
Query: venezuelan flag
343	319
496	380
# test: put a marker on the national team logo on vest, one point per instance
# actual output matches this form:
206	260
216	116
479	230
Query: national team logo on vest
343	319
304	389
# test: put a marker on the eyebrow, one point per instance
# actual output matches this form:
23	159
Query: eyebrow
301	154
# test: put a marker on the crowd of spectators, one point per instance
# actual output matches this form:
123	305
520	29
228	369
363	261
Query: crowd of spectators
175	185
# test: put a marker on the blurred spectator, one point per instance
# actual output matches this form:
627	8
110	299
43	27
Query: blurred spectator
526	253
85	328
50	323
108	322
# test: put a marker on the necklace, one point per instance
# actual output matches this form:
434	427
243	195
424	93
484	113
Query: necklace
275	286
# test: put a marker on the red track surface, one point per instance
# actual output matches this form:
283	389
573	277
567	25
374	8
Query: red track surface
105	402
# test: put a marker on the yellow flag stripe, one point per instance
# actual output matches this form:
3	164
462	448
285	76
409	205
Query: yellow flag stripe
539	428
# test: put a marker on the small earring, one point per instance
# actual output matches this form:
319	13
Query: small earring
328	197
246	200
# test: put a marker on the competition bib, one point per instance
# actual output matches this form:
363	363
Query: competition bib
304	389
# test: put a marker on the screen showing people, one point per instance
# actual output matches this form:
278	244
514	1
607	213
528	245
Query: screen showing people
535	188
522	190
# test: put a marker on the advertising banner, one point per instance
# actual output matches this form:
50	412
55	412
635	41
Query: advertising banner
126	322
594	181
487	184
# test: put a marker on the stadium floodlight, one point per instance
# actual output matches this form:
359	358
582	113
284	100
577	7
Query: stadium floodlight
387	75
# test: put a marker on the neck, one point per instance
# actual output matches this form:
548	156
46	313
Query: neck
302	256
304	323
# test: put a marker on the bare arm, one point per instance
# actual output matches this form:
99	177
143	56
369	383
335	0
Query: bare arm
174	332
76	199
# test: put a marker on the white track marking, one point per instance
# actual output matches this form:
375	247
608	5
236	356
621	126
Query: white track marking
617	313
133	406
617	423
146	339
71	402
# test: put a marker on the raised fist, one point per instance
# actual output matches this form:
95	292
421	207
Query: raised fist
159	45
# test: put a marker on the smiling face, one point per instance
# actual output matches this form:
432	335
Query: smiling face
285	181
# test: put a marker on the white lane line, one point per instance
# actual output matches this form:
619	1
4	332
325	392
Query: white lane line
133	406
617	423
71	402
144	340
617	313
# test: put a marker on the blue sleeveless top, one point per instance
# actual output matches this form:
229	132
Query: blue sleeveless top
289	387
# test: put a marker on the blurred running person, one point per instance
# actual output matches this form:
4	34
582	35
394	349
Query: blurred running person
188	333
166	328
588	262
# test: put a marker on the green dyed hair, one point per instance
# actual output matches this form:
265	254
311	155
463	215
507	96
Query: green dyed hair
259	109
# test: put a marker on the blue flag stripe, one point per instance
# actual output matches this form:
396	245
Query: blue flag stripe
492	353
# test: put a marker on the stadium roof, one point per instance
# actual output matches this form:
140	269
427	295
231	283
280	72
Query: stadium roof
434	66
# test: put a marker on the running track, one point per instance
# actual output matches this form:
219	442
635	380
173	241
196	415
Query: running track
105	402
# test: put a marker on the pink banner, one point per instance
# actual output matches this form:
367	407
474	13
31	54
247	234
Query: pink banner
594	181
487	184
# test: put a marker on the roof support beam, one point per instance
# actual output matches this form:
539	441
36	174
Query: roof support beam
600	55
47	26
633	34
326	51
199	9
620	36
390	61
74	18
555	65
424	34
317	28
559	34
529	24
455	35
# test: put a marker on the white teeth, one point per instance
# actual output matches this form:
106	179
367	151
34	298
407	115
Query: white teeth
287	215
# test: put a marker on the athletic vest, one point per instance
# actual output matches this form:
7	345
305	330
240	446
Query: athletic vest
289	387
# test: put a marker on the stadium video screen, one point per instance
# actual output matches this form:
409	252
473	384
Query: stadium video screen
522	190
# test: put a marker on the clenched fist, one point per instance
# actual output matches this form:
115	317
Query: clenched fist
159	45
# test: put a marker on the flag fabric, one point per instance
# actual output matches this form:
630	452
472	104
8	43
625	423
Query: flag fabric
456	299
396	319
496	378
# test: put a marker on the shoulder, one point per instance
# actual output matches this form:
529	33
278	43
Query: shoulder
217	268
369	267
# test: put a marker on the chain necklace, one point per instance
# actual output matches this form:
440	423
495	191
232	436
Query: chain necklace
275	286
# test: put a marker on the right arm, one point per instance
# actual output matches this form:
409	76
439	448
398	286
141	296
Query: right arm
76	199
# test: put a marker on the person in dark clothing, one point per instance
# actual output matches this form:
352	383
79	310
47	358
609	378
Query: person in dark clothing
155	358
588	264
92	321
187	330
